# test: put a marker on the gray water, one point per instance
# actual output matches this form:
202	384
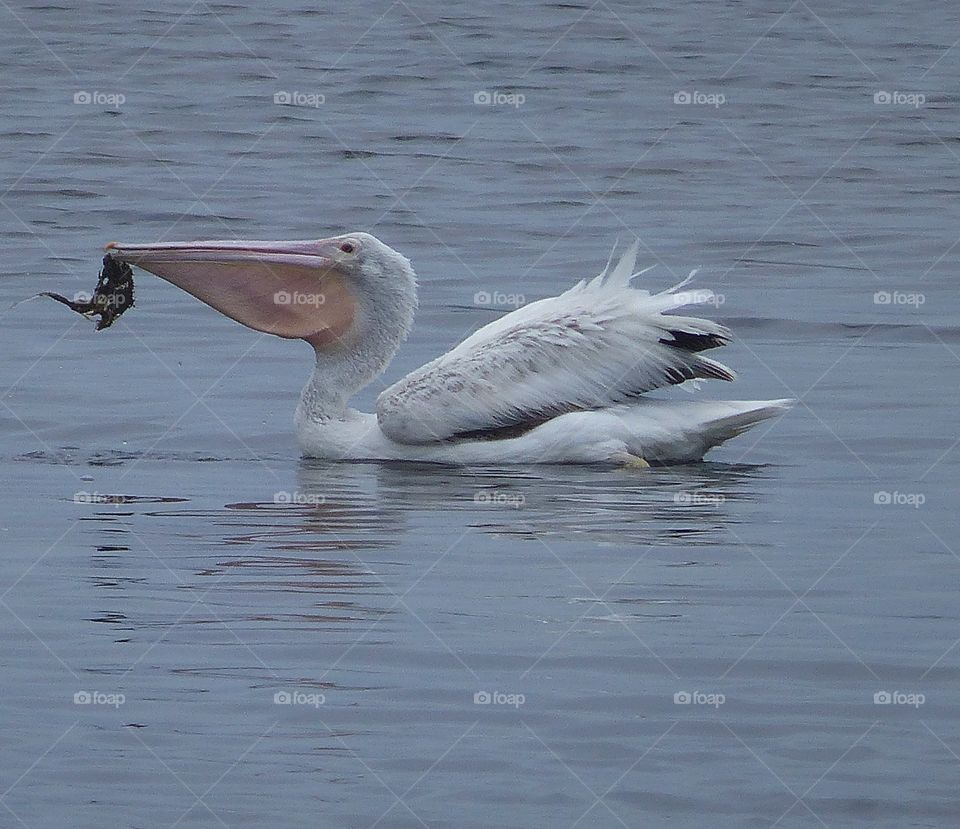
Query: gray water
772	585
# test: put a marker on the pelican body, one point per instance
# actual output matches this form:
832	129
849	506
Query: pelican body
560	380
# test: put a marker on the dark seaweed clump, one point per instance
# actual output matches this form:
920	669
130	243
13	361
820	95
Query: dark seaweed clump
113	295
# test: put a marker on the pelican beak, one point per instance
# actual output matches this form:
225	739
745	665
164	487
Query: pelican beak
291	289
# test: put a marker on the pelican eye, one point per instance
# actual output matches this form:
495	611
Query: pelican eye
348	247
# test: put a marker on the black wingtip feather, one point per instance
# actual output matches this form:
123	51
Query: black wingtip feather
694	342
709	370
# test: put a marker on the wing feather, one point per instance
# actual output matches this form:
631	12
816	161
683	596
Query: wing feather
598	344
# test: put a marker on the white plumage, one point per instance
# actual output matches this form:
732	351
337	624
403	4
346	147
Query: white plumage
596	345
560	380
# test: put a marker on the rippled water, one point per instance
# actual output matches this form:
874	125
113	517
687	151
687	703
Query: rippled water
167	553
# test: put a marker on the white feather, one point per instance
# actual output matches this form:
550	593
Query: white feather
599	344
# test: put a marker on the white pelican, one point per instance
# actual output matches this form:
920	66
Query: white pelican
556	381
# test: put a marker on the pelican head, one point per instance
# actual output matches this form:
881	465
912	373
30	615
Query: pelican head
350	290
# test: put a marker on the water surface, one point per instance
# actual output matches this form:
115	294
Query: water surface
481	647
